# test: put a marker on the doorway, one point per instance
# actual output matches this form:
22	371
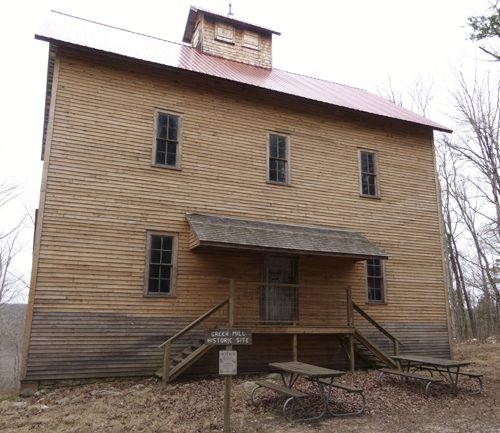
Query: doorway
279	303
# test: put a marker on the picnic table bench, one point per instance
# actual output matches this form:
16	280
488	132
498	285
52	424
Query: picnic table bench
407	375
349	389
322	379
448	369
470	374
290	392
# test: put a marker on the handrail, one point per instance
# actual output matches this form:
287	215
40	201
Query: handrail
298	286
194	323
374	323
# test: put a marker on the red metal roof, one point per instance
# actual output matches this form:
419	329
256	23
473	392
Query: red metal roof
72	30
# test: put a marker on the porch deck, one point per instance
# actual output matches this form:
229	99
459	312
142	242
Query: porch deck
300	329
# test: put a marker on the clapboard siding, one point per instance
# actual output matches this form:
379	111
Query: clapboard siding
101	196
419	338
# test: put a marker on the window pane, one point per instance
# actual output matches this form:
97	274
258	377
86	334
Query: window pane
164	286
156	242
161	158
153	285
273	173
282	148
171	147
171	159
281	171
166	243
162	126
166	257
273	146
161	145
155	256
154	271
173	127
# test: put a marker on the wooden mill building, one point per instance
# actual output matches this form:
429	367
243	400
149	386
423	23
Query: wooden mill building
185	181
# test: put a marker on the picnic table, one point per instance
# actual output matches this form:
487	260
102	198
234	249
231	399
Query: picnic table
448	369
321	377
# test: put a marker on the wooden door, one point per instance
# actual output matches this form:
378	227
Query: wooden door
279	304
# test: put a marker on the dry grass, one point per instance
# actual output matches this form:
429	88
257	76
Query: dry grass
196	406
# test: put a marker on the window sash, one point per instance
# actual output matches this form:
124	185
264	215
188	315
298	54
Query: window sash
368	171
167	139
224	33
278	158
375	280
160	264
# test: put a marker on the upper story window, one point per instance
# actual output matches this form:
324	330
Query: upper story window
160	264
368	173
223	32
167	146
375	280
278	159
251	40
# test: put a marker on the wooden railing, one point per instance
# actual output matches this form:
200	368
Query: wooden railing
167	345
395	342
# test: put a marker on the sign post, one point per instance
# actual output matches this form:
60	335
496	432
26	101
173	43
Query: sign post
228	359
228	379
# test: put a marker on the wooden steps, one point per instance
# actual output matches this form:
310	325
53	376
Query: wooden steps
185	358
371	353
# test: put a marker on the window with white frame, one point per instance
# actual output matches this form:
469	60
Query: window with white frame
224	32
375	280
251	40
278	159
368	173
167	147
160	264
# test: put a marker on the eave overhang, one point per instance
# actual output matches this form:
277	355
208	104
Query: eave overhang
210	231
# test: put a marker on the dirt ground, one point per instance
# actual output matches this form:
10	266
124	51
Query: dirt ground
196	406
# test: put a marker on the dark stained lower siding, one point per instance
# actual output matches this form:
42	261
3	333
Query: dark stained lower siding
87	345
82	345
419	338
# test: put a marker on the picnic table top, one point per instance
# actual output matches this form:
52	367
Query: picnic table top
303	369
429	360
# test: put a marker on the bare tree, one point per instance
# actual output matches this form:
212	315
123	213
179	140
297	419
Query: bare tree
461	305
417	96
12	283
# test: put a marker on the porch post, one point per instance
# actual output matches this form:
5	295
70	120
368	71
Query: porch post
295	348
230	307
352	361
350	313
350	323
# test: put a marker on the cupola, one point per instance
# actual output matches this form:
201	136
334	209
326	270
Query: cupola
227	37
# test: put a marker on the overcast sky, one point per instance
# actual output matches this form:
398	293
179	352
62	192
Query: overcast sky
358	43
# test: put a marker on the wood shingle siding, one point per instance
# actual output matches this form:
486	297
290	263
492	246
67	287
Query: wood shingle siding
101	196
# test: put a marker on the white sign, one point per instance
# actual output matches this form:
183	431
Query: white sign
226	337
227	362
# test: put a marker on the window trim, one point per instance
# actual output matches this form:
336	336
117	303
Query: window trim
178	158
376	174
251	46
173	274
384	284
288	180
223	38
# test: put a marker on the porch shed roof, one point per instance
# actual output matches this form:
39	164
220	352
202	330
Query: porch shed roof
235	233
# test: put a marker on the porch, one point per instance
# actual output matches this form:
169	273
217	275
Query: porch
245	308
